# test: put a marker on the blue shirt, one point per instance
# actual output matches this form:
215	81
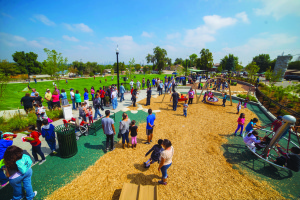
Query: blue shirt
224	97
122	89
249	127
63	95
150	119
86	96
153	81
3	146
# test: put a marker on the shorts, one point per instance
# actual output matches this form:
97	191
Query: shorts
27	108
149	131
56	104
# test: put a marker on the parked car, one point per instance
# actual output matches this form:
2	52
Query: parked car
292	77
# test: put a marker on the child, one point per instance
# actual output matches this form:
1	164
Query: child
241	122
252	125
34	140
246	101
289	160
185	106
239	106
224	98
276	124
204	97
251	140
90	115
133	129
49	135
157	149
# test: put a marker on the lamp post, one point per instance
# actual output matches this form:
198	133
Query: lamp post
26	66
186	65
117	52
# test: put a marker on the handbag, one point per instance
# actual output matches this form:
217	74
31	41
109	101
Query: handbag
24	163
119	134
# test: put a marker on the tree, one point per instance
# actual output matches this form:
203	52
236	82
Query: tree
238	67
137	67
252	69
206	60
294	65
131	66
8	68
73	70
160	58
27	61
169	61
178	61
55	65
193	58
150	58
229	62
220	69
262	61
145	69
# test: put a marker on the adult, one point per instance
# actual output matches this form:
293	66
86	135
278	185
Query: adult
48	97
102	96
93	91
26	101
175	97
33	91
4	144
109	130
108	92
200	77
134	96
191	94
148	83
160	87
150	124
143	83
57	90
114	96
166	85
37	99
153	82
63	96
86	97
173	84
83	111
77	97
55	100
122	91
72	94
148	96
131	84
97	105
165	160
13	158
138	85
124	129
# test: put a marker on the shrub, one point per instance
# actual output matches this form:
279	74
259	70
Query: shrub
282	112
272	105
244	96
91	74
233	83
290	105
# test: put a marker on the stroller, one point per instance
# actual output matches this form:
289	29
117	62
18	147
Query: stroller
81	127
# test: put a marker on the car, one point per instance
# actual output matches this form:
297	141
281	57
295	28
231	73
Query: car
292	77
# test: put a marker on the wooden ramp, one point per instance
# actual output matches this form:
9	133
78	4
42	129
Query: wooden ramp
138	192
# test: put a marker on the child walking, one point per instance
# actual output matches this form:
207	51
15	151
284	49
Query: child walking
185	106
90	115
157	149
241	122
49	135
133	129
239	106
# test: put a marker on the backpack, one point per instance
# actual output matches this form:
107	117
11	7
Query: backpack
81	112
24	163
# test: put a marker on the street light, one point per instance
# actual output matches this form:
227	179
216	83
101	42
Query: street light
186	65
26	66
117	52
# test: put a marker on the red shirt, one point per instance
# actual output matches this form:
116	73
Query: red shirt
102	93
35	135
131	90
276	124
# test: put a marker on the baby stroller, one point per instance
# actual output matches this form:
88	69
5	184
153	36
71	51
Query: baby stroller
81	127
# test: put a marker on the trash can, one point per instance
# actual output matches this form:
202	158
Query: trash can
66	140
184	82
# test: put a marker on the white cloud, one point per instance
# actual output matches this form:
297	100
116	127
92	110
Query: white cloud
6	15
44	20
90	43
173	36
243	16
78	27
278	8
81	47
46	41
73	39
146	34
15	40
19	38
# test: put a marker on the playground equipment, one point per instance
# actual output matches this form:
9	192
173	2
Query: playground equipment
209	82
266	152
138	192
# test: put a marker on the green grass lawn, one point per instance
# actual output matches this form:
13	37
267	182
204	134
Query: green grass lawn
13	92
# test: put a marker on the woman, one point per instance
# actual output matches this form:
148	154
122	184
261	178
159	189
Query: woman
124	129
63	96
55	100
114	97
13	158
92	92
77	99
165	160
86	97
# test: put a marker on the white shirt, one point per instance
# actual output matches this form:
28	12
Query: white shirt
72	95
131	83
114	94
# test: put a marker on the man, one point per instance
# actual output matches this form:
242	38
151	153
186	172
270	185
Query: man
200	77
150	124
134	93
131	84
27	102
109	93
57	90
48	97
175	97
153	82
109	130
33	91
72	98
173	85
166	85
161	85
122	91
138	85
143	83
148	96
97	106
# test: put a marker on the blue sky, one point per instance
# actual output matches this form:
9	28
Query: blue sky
91	30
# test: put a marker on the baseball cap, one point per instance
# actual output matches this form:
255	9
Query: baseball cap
47	90
71	89
279	117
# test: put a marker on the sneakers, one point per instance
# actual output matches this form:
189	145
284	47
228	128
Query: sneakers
42	162
150	140
162	183
5	184
35	162
35	193
113	149
147	143
54	152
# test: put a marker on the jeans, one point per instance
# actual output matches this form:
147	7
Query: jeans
159	91
224	101
133	101
185	112
148	101
97	112
166	89
175	105
16	183
239	126
93	96
3	178
190	101
125	137
122	97
73	104
51	144
50	107
35	150
39	124
163	170
77	104
114	103
111	139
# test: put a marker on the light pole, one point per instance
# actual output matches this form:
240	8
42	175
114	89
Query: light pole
186	65
117	52
26	66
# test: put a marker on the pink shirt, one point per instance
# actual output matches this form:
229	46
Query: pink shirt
92	91
241	120
55	98
191	94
